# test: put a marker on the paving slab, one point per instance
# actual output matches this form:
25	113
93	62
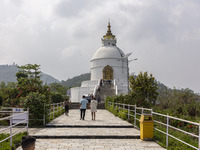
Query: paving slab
103	117
72	126
95	144
88	131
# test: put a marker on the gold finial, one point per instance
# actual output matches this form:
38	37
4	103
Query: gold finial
109	34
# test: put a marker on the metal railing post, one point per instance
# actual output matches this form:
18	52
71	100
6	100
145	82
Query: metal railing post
123	106
27	119
135	116
49	111
167	130
199	135
11	131
44	116
128	110
142	110
53	111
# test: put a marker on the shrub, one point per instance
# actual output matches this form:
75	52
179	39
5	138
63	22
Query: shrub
36	104
15	142
123	114
56	98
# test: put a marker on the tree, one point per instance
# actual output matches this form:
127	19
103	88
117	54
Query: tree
28	78
144	89
28	81
170	100
56	87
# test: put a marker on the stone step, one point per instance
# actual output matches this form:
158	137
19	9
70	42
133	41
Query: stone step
89	126
101	106
75	105
86	137
79	132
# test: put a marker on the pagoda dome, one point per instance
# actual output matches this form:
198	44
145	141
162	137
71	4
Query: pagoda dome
108	52
109	48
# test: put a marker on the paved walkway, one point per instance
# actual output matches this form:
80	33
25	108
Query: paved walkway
106	133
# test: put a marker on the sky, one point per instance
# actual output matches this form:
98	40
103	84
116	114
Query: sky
63	35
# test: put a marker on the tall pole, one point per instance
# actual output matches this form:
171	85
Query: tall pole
128	75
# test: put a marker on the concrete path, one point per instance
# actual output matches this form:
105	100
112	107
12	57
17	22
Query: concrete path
108	132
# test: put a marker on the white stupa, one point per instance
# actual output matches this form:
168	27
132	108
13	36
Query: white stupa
108	63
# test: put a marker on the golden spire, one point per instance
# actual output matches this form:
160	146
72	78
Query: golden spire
109	34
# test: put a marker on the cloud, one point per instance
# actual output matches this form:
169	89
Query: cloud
63	35
74	8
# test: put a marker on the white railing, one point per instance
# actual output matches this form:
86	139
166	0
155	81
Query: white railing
95	91
96	88
134	109
14	120
114	83
116	90
53	108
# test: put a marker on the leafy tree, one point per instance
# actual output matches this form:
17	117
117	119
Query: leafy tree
28	78
56	98
1	98
144	89
8	92
56	87
28	81
36	101
178	103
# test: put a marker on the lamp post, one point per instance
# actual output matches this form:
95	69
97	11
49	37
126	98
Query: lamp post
123	59
128	61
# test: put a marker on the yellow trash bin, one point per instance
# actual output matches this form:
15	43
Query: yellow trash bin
146	127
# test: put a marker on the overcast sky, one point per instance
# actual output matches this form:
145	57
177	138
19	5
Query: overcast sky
63	35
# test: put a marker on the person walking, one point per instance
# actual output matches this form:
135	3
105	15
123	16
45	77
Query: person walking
67	105
93	108
83	107
98	99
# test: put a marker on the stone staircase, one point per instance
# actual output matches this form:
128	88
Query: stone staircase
108	132
75	105
106	126
105	90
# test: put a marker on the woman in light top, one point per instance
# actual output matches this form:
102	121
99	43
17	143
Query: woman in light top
93	108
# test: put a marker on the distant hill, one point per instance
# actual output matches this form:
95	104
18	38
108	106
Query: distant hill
8	72
76	81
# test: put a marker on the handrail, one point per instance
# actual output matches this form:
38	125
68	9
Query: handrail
171	117
52	110
116	89
96	88
13	124
156	121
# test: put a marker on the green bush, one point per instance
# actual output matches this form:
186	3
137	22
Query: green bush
123	114
174	144
16	141
56	114
56	98
1	98
36	103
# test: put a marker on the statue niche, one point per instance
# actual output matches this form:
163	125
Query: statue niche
107	73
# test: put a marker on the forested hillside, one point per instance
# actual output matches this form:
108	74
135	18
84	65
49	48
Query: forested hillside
76	81
8	72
